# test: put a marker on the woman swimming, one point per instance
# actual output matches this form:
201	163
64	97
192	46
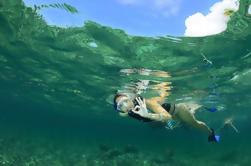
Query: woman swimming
154	109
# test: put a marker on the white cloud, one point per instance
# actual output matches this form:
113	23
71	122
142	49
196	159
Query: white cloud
212	23
129	2
161	4
168	7
164	7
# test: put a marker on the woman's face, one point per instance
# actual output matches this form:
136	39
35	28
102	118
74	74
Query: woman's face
124	104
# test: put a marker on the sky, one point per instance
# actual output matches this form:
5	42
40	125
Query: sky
141	17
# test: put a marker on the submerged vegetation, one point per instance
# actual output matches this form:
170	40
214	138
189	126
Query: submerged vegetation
27	152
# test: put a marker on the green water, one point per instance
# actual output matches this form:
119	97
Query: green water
56	88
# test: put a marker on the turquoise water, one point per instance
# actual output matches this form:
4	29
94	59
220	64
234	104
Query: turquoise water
57	86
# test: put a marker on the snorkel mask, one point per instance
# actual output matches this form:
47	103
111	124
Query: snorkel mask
122	104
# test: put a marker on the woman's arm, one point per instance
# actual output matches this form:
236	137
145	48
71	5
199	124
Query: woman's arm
157	117
160	114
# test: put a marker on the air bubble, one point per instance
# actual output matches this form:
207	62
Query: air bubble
249	10
93	44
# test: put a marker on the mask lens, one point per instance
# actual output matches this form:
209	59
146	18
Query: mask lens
123	106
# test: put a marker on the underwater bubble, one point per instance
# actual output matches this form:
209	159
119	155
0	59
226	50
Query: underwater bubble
93	44
249	10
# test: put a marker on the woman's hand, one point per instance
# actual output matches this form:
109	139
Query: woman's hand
142	110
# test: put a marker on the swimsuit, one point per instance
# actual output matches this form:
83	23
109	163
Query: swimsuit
169	108
166	106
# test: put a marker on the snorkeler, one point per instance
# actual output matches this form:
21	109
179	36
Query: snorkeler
154	109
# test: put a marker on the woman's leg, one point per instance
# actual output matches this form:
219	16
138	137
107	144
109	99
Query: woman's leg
185	114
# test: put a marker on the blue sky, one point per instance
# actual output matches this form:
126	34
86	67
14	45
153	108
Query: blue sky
136	17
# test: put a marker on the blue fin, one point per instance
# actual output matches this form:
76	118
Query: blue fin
213	138
213	109
217	138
